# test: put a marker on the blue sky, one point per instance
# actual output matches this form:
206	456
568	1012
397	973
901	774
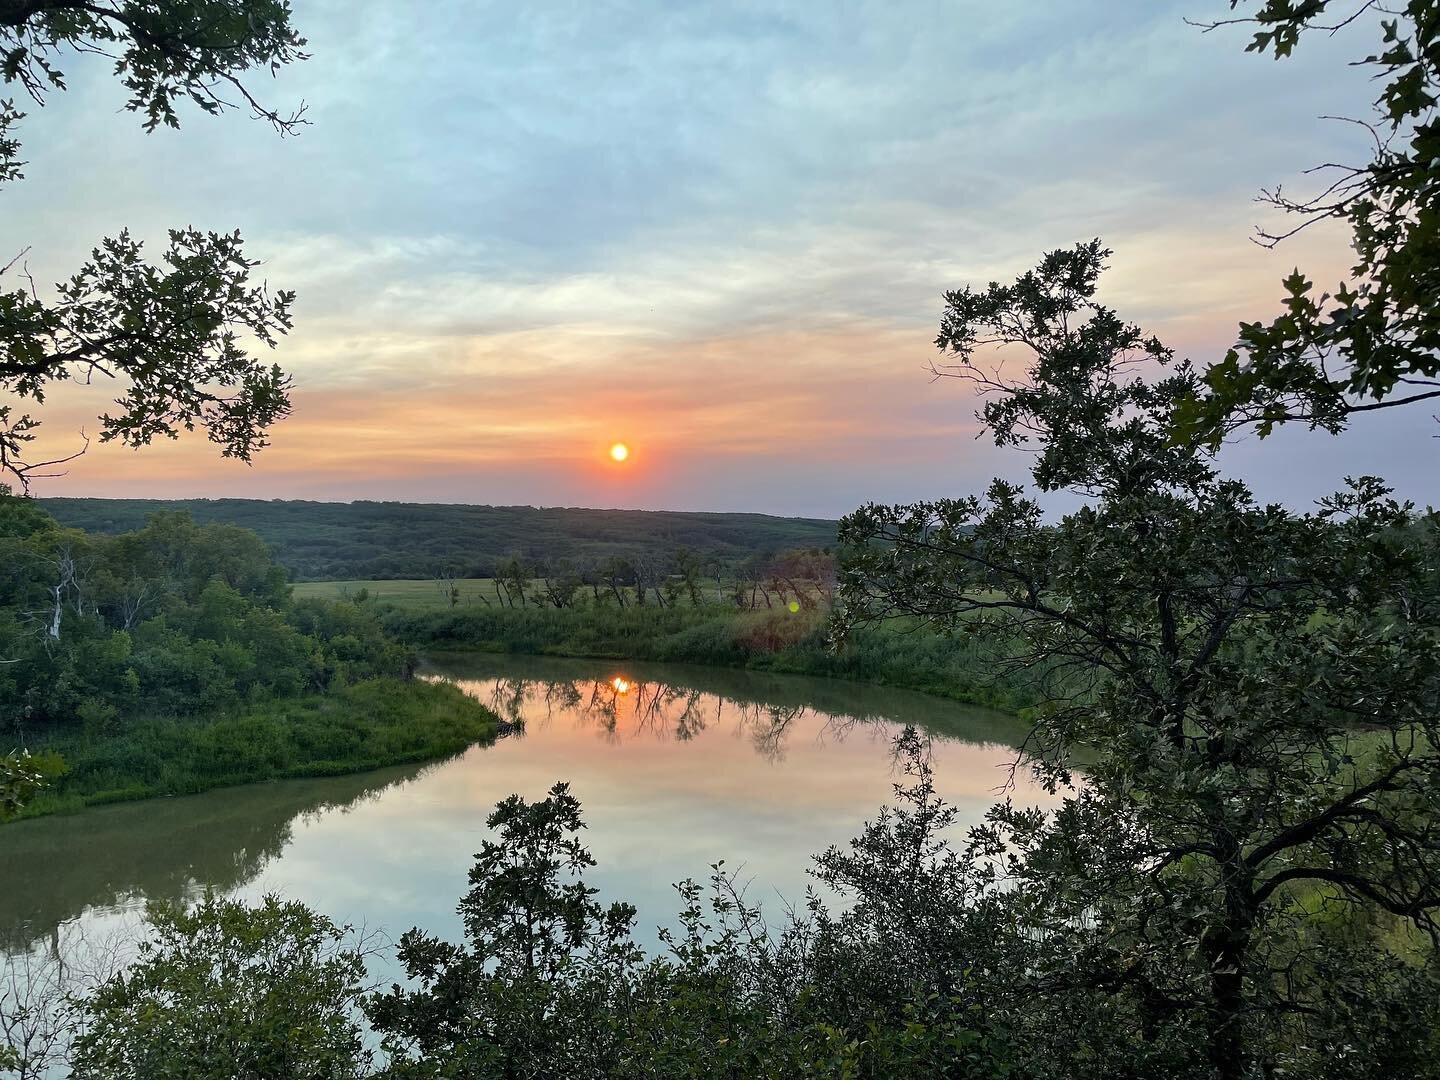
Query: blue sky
719	232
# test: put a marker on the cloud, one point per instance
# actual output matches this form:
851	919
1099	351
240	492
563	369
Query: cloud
721	230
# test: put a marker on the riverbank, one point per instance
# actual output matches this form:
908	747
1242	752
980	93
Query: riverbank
381	722
357	728
681	767
904	656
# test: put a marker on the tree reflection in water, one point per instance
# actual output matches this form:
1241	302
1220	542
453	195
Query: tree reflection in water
632	704
63	870
54	869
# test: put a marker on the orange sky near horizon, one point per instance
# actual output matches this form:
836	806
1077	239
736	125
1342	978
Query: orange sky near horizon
720	236
497	417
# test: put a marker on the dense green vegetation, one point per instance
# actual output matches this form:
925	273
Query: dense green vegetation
1233	889
799	643
172	618
172	659
356	728
382	540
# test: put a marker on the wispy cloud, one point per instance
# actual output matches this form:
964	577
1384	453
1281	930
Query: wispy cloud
719	231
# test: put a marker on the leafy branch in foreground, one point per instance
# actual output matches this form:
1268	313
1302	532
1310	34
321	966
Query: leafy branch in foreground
1374	342
226	990
1251	692
175	334
196	50
171	332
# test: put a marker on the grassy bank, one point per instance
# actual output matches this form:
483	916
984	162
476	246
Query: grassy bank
361	727
772	640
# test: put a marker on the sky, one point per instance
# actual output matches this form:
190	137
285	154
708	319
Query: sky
717	232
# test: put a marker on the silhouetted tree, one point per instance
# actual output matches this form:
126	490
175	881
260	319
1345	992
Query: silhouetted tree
1373	341
560	583
688	570
1252	692
169	330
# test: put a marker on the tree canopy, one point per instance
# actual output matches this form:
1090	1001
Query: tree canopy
177	334
1372	341
1249	691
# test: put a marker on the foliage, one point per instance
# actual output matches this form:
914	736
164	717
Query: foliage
19	780
171	330
1374	341
513	1001
230	992
172	659
172	618
352	729
1253	691
388	540
22	775
797	643
550	984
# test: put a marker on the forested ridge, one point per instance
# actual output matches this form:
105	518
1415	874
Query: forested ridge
317	541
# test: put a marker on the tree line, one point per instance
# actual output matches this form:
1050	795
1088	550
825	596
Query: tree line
804	577
367	540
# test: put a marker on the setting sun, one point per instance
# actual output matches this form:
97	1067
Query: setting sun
619	452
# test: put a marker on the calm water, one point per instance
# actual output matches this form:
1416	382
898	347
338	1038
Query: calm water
676	767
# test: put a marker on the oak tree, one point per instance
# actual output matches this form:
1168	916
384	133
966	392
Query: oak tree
179	333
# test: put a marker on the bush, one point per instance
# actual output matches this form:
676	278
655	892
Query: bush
902	655
371	724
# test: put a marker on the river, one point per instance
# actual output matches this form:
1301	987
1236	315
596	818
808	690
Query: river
676	767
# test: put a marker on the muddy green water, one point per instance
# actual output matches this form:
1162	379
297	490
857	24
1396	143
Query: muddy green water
677	767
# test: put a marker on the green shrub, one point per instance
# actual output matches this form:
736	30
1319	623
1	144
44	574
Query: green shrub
365	726
901	655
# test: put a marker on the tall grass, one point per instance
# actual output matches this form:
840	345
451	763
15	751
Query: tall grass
906	656
364	726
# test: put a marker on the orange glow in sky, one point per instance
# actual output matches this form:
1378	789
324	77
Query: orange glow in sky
619	452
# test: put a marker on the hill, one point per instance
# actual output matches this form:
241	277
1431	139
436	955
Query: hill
318	541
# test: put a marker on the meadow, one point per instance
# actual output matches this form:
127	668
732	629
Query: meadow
405	594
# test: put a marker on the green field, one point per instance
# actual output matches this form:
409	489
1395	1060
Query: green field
408	595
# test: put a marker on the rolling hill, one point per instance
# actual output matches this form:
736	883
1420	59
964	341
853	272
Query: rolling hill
319	541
